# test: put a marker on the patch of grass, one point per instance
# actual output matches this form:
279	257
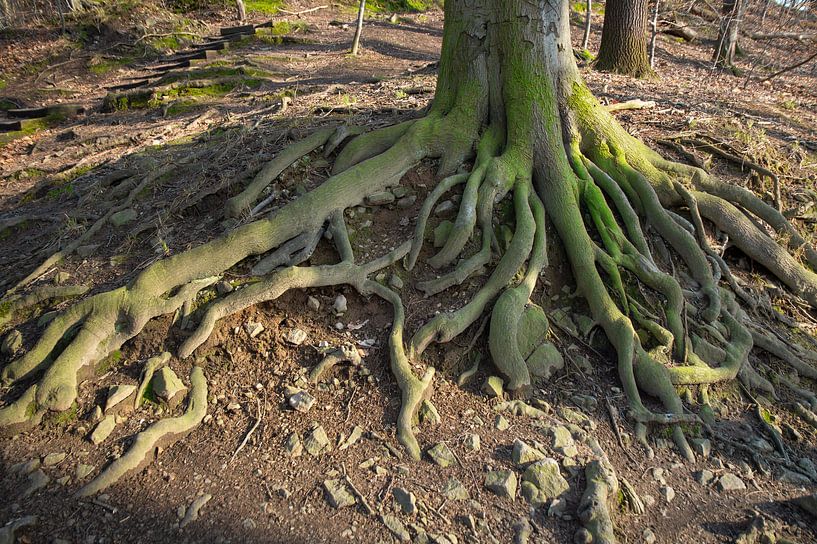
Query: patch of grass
3	84
398	6
31	126
587	56
108	362
6	104
58	192
68	416
267	7
102	65
789	104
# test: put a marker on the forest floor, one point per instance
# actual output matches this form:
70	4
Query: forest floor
208	128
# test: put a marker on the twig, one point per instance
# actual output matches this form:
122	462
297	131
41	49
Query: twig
302	12
249	433
616	431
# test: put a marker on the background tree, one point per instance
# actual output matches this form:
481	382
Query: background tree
511	102
624	38
726	46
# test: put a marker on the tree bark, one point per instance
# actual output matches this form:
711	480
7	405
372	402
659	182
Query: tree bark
725	47
624	38
361	10
242	12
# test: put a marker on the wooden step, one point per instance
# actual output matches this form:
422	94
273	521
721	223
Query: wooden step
230	30
54	109
16	124
132	85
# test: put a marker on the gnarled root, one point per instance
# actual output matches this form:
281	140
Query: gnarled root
161	434
594	507
347	352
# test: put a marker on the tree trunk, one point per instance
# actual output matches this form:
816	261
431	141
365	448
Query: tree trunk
361	11
242	12
725	47
624	38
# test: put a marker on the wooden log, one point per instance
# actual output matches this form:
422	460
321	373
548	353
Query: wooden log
67	110
243	29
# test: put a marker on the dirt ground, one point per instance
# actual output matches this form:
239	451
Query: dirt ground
204	147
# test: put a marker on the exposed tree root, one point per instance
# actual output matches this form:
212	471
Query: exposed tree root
344	353
161	434
14	303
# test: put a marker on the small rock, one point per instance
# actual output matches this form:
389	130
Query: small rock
253	329
313	303
791	477
701	446
649	536
493	387
396	282
12	342
704	477
808	503
396	527
123	217
53	459
407	201
547	479
400	191
442	455
524	455
502	482
582	536
730	482
576	417
296	337
63	480
103	430
406	500
354	436
455	491
167	386
83	471
381	198
36	481
563	441
293	445
339	306
428	414
316	442
248	524
301	401
223	287
444	208
61	277
668	493
472	441
118	393
337	494
500	423
761	444
30	467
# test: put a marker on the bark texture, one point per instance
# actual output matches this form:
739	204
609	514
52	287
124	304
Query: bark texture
624	38
726	46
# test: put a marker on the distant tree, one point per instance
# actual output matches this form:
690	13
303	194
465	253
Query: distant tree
731	16
624	38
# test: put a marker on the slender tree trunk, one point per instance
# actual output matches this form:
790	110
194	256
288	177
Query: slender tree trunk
731	16
624	38
587	21
654	36
242	12
361	10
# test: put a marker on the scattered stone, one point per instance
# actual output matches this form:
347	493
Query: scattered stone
502	482
354	436
585	402
524	455
649	536
248	524
313	303
761	444
118	393
582	536
563	441
96	413
701	446
30	467
82	471
296	337
316	442
576	417
406	500
36	481
668	493
442	455
63	480
455	491
223	287
791	477
557	506
407	201
493	387
441	233
396	282
472	442
807	466
730	482
61	277
338	494
103	430
396	527
193	510
500	423
53	459
547	479
167	386
12	342
293	445
301	401
380	199
339	306
253	329
428	413
808	503
704	477
123	217
444	208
